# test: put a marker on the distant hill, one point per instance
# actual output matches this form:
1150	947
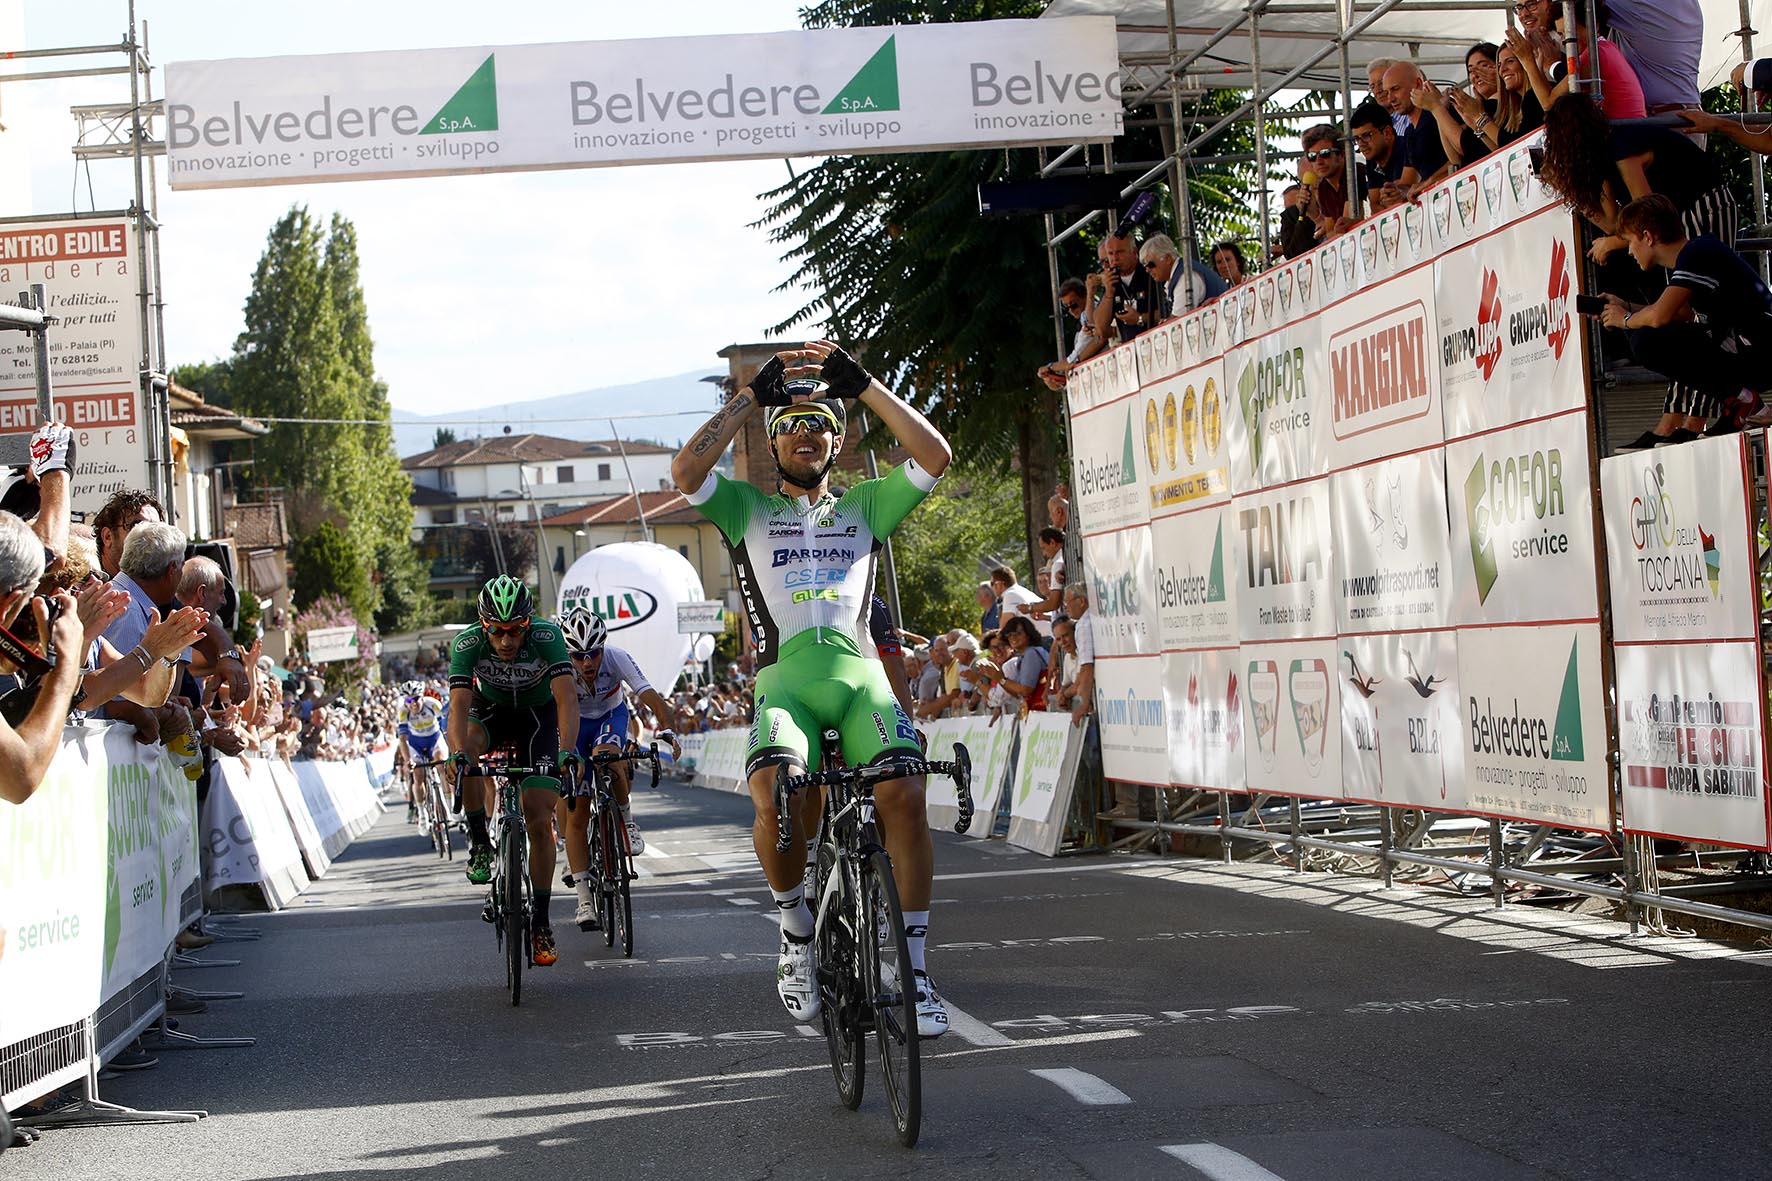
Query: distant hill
582	415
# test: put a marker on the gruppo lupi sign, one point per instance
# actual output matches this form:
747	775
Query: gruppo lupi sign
364	116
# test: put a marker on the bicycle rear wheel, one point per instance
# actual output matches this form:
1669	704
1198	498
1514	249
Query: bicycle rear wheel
892	994
516	914
841	1008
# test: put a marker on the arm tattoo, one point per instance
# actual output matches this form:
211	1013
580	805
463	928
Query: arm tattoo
710	434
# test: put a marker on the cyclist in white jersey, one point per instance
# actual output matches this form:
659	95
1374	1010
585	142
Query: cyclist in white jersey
420	726
601	673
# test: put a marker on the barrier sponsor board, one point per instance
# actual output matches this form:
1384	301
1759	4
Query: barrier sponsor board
1132	713
1692	742
153	854
246	835
1383	371
1194	559
1186	457
362	116
1678	542
1106	377
1104	467
1401	742
53	883
1122	608
1282	557
1522	524
1393	566
1205	718
1533	724
1509	347
301	816
1277	400
1291	710
88	267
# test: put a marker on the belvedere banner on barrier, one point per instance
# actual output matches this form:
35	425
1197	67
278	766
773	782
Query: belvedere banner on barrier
363	116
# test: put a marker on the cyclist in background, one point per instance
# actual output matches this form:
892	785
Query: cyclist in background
805	565
420	726
510	686
601	670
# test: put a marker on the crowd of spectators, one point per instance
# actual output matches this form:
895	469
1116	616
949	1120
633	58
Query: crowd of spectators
1632	161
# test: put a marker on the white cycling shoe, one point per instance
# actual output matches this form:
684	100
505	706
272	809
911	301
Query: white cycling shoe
586	916
932	1011
636	842
796	979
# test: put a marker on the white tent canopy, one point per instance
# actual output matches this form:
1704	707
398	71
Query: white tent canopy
1295	31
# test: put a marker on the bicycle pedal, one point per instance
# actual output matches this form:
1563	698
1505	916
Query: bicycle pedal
486	915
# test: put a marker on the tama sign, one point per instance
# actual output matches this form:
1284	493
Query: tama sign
571	105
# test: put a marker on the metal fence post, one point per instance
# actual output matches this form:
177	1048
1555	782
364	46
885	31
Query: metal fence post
1384	845
1224	825
1496	885
1297	848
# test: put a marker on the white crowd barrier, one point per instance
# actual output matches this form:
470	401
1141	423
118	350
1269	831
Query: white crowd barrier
102	867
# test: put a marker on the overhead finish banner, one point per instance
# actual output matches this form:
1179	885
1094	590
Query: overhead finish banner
431	112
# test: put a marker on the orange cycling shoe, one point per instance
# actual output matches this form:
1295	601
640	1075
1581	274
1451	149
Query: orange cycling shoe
542	948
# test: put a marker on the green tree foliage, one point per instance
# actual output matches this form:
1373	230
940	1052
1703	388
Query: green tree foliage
327	563
444	436
306	353
213	380
974	513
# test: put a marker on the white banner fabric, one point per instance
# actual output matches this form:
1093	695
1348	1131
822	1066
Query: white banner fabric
1679	542
430	112
1383	388
153	855
1692	742
1277	406
1291	708
1122	608
88	268
1200	690
1534	724
1194	558
1107	491
301	816
248	835
1401	743
1522	524
1185	461
1393	566
1044	738
1132	713
1283	561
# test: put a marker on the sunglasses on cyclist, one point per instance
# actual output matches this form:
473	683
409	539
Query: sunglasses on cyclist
802	424
592	654
514	628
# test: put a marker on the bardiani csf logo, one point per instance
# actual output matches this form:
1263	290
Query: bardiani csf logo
337	131
1518	502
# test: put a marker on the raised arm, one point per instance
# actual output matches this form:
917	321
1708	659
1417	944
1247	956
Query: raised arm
909	427
689	470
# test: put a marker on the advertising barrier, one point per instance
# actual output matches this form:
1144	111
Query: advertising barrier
363	116
1045	776
1339	524
152	838
247	834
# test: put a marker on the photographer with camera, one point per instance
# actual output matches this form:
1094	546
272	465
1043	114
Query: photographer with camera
1711	328
27	748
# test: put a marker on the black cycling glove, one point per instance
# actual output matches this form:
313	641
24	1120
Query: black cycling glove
845	378
770	384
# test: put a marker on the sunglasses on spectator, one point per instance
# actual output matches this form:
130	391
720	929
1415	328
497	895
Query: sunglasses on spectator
1150	264
515	628
801	424
1322	153
592	654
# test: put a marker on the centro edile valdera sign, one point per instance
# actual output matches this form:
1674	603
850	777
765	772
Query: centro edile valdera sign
364	116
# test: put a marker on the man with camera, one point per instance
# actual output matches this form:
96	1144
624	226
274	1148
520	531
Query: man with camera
27	749
1711	327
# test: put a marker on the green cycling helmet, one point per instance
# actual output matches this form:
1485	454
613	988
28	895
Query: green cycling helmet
505	599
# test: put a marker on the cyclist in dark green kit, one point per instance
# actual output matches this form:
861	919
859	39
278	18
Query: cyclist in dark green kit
805	564
511	685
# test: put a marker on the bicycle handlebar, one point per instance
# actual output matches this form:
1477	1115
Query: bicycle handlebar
577	785
864	778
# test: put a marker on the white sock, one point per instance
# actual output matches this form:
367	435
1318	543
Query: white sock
582	882
796	916
627	812
916	932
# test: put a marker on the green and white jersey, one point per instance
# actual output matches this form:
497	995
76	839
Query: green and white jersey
808	566
525	680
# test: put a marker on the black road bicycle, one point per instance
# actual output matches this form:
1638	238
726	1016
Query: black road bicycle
612	860
433	814
864	962
508	904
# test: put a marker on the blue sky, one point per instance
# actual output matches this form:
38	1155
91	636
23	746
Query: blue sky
481	288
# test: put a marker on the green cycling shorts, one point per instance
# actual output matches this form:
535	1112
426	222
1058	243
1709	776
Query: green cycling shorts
821	681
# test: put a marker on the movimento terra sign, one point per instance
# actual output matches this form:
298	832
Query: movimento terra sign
363	116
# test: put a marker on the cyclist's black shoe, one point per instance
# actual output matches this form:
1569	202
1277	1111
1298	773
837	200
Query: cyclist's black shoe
542	947
487	914
480	864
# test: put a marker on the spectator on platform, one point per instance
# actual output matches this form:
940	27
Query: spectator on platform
1228	261
1620	93
1162	259
1297	235
1050	582
1323	172
992	610
1133	301
1073	296
1711	328
1010	592
1379	93
1757	76
1425	162
1058	507
1510	113
1381	172
1662	41
27	749
1458	114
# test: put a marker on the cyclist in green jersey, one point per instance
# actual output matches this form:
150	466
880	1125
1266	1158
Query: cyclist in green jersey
511	685
805	565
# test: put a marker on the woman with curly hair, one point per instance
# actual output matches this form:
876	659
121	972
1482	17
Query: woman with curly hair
1597	168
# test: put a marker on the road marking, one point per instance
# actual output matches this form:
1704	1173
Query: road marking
743	901
1219	1162
970	1029
808	1031
1084	1087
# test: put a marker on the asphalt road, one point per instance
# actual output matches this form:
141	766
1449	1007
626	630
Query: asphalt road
1116	1018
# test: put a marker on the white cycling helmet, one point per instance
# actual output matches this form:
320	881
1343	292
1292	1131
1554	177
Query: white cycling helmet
584	630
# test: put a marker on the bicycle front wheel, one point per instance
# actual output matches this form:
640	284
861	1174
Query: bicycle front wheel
623	901
516	914
886	975
838	985
607	871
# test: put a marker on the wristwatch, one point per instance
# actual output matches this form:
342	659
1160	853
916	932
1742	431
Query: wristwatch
232	654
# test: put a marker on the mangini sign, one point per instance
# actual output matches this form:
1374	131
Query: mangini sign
427	112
